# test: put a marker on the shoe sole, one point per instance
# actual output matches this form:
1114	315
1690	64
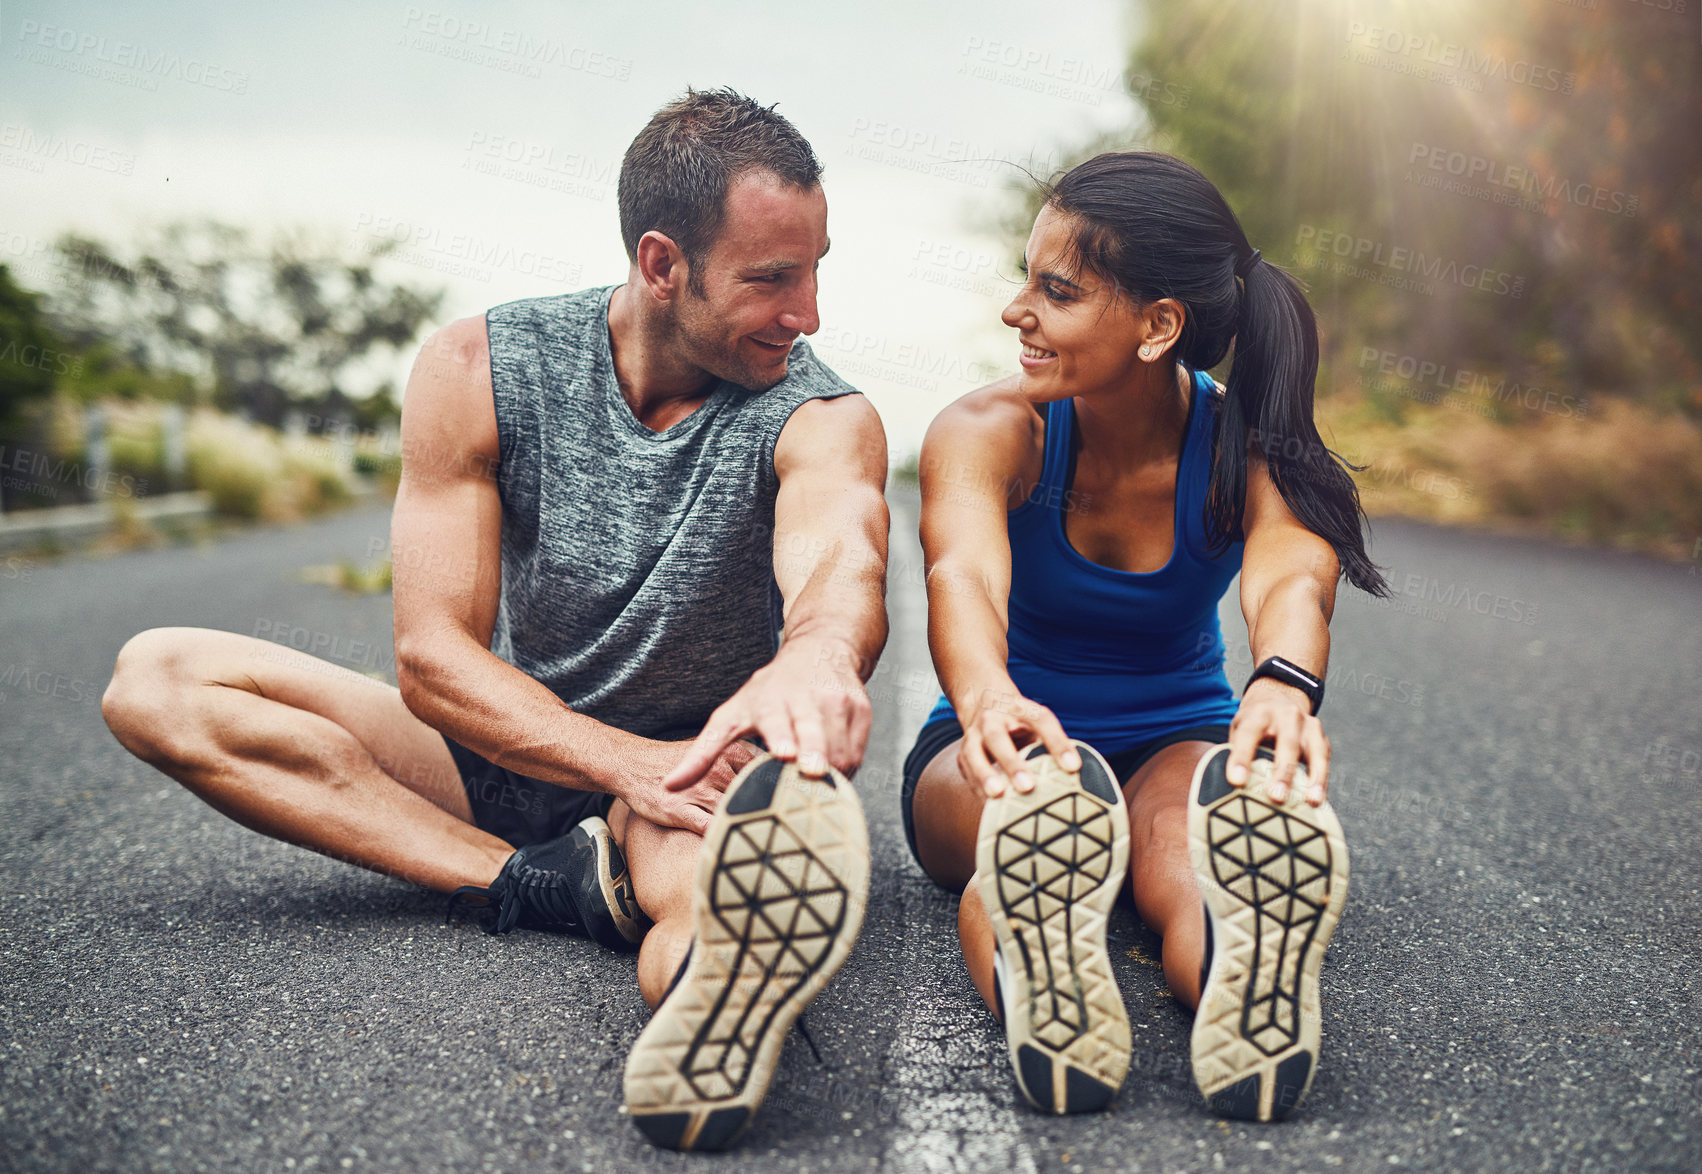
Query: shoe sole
1273	877
1049	864
606	900
781	885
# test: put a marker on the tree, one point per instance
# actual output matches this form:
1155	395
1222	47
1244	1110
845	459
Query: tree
32	356
1517	186
267	325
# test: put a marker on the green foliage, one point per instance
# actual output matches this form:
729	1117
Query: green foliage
103	372
253	473
32	356
264	326
1566	132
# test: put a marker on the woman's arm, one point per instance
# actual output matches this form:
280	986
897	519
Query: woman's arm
971	458
1288	593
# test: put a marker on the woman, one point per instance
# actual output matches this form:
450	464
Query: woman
1081	521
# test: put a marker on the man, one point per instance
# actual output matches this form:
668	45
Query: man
611	502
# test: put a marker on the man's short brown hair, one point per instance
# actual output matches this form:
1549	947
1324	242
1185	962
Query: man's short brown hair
676	173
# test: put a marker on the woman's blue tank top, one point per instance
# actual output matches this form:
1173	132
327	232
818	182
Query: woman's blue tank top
1120	657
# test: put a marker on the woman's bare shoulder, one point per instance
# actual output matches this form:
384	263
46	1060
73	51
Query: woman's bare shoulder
997	415
991	436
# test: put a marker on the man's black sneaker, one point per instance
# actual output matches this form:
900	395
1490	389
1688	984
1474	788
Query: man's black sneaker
575	884
1049	865
1273	877
781	883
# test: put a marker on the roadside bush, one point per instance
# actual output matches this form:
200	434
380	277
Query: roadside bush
250	471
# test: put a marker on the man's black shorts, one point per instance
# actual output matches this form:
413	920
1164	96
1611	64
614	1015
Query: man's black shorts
517	809
942	732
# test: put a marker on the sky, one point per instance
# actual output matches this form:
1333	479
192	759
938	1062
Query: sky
488	138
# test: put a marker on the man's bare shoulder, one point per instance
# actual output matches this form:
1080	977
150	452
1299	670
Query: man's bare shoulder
837	412
825	429
449	409
458	352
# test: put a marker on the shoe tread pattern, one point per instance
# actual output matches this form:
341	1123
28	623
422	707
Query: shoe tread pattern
1050	864
1274	879
781	887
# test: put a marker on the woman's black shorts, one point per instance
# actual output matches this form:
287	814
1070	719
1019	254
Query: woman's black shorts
942	732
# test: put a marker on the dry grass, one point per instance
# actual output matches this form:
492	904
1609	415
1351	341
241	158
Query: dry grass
253	472
1621	476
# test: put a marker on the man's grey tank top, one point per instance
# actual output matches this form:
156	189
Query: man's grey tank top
637	566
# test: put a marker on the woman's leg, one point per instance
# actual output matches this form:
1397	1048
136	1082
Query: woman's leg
947	813
1160	873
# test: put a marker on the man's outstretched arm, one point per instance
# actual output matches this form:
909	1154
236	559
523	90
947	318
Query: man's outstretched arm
830	546
446	538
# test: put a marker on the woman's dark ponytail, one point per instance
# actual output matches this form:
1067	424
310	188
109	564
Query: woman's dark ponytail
1158	228
1269	399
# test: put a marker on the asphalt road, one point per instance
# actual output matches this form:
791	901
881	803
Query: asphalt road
1518	749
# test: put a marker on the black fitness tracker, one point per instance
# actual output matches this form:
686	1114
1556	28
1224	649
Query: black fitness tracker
1289	673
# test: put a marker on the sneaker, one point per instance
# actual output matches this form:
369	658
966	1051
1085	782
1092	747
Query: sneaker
781	884
1273	877
1050	865
576	884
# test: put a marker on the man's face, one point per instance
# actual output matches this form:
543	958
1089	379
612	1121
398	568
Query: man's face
758	281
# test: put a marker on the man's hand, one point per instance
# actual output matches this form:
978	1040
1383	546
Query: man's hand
1273	711
688	807
808	704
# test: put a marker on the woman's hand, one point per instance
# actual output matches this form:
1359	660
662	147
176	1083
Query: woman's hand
994	738
1273	711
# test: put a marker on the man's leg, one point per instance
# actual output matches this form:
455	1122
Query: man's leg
301	750
662	862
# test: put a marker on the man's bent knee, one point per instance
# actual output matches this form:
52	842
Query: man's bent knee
146	690
663	864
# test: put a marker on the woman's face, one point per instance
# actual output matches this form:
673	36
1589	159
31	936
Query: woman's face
1077	335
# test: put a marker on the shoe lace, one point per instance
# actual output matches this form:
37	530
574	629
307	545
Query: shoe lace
517	887
546	891
501	897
